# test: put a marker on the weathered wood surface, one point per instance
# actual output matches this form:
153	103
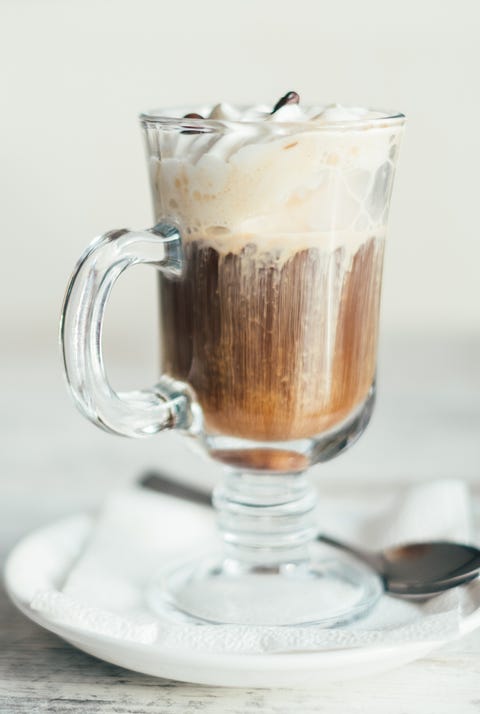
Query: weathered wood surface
53	463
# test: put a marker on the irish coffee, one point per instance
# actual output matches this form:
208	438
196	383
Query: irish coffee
268	241
274	319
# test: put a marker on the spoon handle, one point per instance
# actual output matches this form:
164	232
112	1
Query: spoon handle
157	481
374	560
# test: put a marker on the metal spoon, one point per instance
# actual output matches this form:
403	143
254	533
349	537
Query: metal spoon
414	571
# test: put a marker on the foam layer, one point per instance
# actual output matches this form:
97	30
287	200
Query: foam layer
279	180
291	113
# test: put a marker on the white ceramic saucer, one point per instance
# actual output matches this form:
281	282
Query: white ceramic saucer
37	563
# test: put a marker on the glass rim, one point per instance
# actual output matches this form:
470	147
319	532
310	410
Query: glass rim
170	119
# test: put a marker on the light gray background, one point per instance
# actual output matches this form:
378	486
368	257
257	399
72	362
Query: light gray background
72	163
74	75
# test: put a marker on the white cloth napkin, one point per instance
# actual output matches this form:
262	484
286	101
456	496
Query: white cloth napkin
137	531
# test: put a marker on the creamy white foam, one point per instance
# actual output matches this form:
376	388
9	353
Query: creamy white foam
292	113
297	177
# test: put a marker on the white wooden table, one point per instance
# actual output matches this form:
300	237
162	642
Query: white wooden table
427	425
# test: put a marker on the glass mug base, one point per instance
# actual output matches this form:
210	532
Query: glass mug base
322	592
272	572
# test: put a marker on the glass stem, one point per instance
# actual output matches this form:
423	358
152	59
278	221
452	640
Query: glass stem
265	520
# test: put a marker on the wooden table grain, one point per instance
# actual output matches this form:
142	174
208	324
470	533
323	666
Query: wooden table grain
427	425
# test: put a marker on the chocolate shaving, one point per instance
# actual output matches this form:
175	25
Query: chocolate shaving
192	130
288	98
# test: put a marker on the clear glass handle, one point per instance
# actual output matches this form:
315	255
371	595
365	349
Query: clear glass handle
168	404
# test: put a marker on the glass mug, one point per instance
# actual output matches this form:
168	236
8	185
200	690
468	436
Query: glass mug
268	244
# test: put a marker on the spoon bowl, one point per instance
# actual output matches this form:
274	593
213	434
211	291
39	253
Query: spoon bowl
421	569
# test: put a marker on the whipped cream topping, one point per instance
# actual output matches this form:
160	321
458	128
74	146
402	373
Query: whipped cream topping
267	180
291	112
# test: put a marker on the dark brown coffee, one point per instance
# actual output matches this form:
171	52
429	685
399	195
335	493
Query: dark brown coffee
275	348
